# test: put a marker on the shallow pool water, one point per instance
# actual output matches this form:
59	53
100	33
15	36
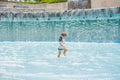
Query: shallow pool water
38	61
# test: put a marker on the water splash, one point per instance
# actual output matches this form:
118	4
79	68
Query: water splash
90	24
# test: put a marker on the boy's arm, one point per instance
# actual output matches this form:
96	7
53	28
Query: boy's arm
61	44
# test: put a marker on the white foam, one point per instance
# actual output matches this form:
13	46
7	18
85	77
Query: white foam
11	65
39	63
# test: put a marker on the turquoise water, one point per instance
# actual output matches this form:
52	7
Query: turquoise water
79	28
38	61
28	45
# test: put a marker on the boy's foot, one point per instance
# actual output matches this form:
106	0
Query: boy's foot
64	54
58	56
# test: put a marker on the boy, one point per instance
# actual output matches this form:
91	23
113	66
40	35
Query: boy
62	44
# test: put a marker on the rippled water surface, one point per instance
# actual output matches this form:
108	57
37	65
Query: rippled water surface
38	61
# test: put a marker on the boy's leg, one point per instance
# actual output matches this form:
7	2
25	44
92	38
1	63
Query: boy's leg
59	53
65	50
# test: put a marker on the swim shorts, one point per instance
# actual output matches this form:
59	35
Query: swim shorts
60	48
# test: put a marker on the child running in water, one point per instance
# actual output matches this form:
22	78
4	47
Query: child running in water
62	44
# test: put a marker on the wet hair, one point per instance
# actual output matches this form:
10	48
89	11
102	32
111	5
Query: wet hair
64	34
